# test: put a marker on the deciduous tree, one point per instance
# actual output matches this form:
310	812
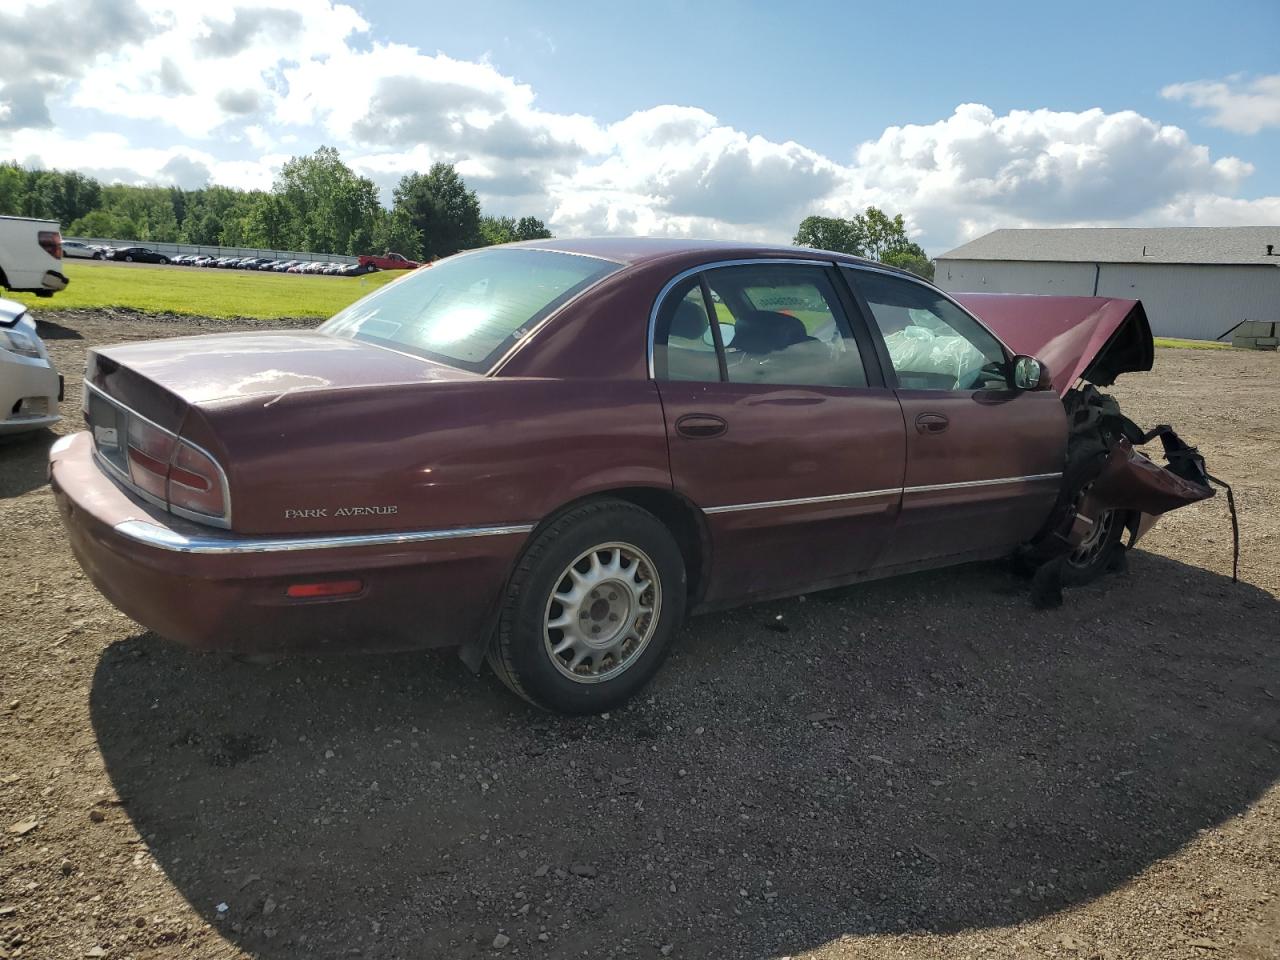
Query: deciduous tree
441	209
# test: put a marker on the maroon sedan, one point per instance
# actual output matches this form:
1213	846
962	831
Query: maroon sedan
548	453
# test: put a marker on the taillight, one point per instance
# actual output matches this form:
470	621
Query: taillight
170	471
150	449
195	482
51	242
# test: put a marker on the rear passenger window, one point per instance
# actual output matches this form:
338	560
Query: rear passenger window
781	324
684	348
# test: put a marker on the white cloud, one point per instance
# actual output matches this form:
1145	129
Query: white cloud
113	159
45	45
1236	103
230	87
199	68
977	170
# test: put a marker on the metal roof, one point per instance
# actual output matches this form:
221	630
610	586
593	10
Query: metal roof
1221	245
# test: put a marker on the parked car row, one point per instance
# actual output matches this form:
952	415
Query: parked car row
135	254
274	266
80	250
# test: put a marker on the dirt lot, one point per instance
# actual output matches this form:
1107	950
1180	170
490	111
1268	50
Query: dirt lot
919	768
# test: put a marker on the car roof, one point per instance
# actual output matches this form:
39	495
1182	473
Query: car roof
630	251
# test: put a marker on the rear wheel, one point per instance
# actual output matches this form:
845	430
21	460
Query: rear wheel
591	609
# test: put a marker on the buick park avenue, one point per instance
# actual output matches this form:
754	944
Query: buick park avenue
548	454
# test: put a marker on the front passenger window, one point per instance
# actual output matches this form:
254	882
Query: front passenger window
932	343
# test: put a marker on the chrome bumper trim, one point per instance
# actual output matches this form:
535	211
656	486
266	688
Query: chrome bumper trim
162	538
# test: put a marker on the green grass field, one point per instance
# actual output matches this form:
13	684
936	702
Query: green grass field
205	293
1191	344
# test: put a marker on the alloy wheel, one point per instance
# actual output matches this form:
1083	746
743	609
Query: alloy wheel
602	612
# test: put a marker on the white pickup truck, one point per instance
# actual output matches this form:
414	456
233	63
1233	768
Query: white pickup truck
31	256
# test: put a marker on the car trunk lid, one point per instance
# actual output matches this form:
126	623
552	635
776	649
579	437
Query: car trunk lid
168	375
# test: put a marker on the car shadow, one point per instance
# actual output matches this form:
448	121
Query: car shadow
26	460
48	330
924	753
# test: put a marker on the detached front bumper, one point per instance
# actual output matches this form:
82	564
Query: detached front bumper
210	590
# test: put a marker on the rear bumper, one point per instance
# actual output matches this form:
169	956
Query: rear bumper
214	591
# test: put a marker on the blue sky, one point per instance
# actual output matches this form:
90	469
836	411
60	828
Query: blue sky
839	73
711	118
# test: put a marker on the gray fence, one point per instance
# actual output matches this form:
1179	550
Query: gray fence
211	250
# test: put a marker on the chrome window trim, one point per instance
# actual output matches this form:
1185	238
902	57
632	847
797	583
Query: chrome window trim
154	535
934	288
865	494
572	253
714	265
223	521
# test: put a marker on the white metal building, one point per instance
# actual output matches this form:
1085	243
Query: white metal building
1195	282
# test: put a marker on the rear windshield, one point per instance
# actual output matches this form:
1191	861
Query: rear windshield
468	310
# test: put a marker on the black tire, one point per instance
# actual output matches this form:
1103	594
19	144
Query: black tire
128	258
165	261
521	653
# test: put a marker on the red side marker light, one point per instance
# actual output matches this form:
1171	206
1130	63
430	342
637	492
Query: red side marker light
330	588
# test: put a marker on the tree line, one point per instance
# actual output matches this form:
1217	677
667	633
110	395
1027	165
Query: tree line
317	204
873	234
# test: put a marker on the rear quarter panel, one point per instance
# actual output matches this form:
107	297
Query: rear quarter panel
453	454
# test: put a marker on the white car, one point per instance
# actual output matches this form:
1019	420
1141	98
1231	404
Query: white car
80	250
30	388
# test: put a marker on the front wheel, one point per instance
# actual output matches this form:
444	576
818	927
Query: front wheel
1096	551
591	609
128	259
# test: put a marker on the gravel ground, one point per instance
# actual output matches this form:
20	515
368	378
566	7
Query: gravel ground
925	767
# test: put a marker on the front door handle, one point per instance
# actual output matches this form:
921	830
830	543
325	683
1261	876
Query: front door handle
699	426
931	423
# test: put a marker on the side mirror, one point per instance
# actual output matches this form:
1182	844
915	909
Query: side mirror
1028	373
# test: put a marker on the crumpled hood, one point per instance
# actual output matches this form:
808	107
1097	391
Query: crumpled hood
1094	338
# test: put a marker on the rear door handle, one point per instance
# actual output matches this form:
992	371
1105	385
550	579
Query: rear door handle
931	423
699	426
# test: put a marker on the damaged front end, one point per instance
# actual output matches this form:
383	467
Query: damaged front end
1109	486
1108	480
